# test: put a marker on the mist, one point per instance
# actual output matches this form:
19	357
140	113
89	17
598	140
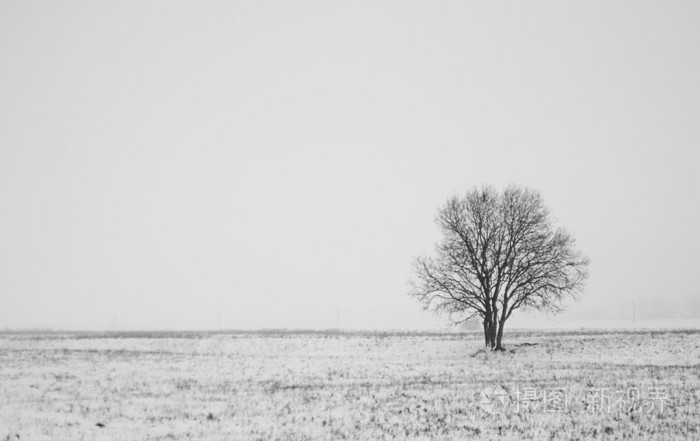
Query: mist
276	165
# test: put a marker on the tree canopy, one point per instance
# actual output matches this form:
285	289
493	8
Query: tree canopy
500	252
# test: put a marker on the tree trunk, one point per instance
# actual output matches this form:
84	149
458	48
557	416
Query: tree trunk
499	337
488	326
494	326
492	335
489	333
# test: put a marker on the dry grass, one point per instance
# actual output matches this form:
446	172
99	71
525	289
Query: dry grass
360	386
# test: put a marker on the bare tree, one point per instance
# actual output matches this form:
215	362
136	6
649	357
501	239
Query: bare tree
499	252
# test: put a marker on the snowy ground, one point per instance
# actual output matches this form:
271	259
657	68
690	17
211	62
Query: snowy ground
642	384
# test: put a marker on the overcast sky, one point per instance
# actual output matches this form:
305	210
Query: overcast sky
195	164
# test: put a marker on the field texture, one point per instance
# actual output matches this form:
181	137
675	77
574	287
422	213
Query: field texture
358	386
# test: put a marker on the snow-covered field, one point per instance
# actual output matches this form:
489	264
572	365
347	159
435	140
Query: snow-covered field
598	384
